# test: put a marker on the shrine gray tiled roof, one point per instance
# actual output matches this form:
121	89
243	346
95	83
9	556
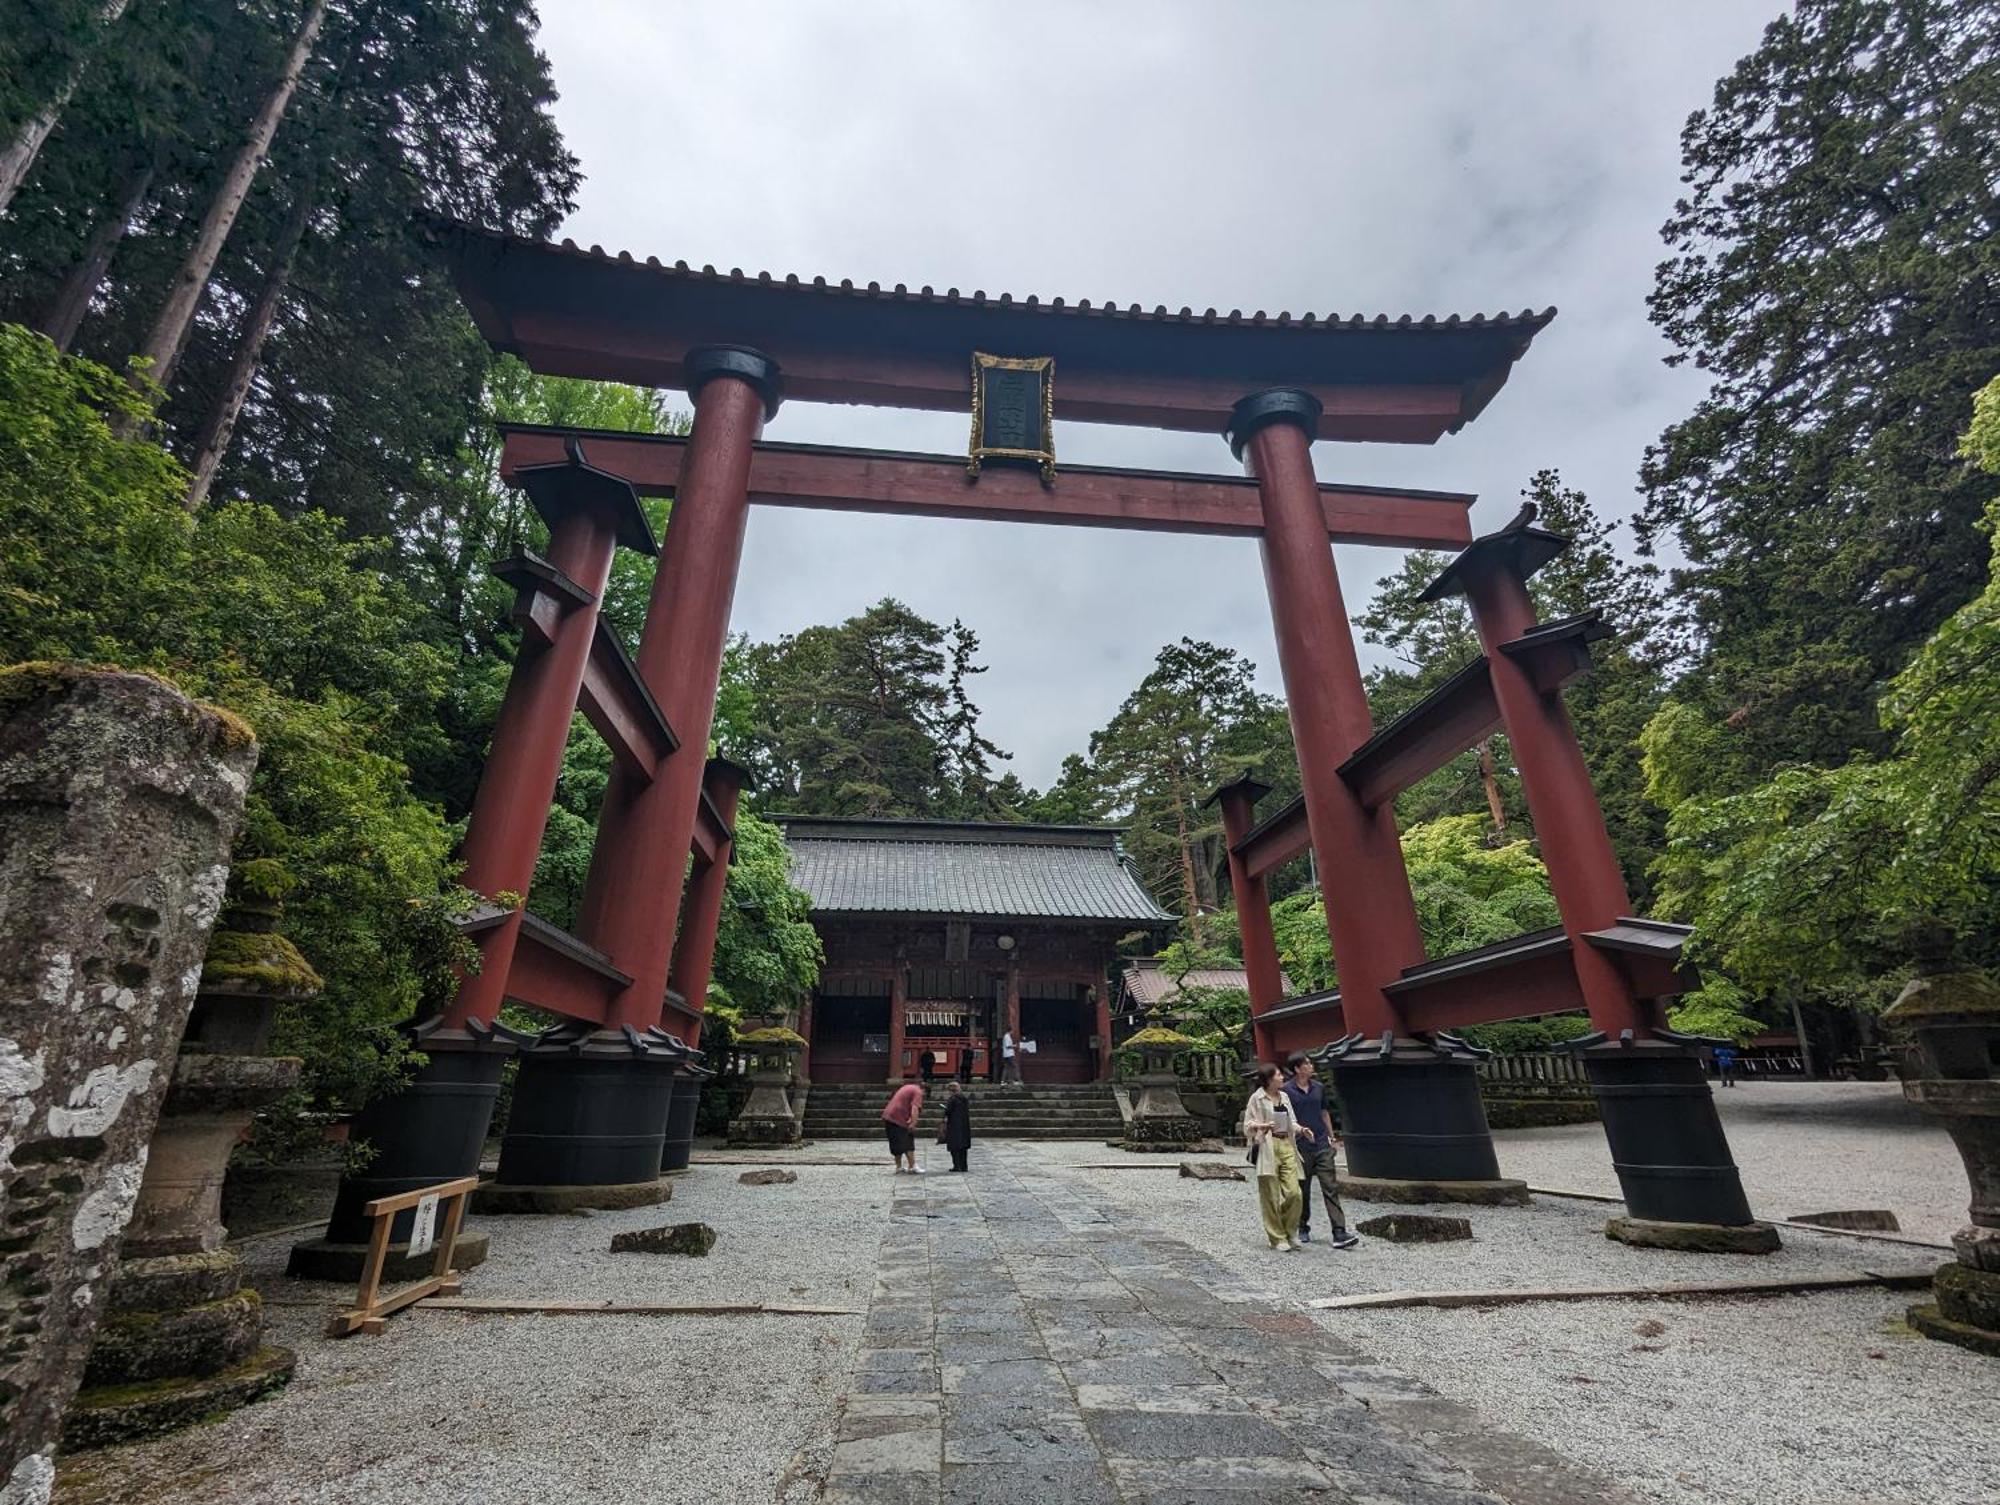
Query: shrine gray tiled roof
964	868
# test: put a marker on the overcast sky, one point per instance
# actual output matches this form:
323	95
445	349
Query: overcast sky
1325	155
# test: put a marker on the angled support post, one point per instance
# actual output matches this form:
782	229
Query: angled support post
1253	912
1682	1188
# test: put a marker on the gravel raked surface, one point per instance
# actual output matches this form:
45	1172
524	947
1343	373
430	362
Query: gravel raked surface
1801	1146
1799	1400
533	1410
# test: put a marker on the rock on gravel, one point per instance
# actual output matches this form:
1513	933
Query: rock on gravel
694	1239
768	1178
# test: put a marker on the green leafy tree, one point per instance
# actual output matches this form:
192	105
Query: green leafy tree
1832	269
1808	884
281	620
1468	894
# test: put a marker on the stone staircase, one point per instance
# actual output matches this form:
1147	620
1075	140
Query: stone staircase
840	1110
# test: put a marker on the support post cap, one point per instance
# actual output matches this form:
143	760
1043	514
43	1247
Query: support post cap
740	361
1278	405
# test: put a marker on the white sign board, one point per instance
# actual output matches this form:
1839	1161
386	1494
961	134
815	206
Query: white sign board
424	1229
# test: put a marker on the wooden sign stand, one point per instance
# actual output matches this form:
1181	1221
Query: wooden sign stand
370	1309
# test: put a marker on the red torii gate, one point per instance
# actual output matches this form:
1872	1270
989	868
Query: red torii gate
590	1102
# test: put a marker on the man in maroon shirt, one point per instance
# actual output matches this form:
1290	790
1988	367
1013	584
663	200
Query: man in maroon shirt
899	1121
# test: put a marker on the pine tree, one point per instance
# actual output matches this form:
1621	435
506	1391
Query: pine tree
1835	270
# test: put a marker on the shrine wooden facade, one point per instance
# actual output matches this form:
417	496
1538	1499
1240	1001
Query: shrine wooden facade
940	936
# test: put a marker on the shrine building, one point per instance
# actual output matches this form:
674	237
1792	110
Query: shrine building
940	935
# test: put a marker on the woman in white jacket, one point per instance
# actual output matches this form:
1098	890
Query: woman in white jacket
1270	1127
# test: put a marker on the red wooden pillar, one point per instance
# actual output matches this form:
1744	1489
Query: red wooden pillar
1416	1130
1370	915
645	829
1583	867
1100	993
899	1009
1253	913
585	510
701	911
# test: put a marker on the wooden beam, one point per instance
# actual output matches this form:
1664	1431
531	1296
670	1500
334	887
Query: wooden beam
1276	839
1454	716
618	704
917	485
555	971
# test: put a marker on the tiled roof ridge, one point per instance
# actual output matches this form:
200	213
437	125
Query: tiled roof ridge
1527	318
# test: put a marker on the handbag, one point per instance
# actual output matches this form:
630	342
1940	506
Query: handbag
1251	1158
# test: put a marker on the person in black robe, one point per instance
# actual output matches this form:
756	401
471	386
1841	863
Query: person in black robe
956	1135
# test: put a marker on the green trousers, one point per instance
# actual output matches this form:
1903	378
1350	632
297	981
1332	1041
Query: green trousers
1278	1197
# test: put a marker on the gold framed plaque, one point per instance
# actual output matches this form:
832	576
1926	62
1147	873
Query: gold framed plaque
1013	412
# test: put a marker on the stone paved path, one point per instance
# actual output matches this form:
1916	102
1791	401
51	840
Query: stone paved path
1020	1347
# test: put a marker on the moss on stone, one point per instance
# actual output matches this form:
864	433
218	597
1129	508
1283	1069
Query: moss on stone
774	1034
1154	1034
1967	992
259	957
37	679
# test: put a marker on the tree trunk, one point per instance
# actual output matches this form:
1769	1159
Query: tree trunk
18	156
220	425
1494	805
1196	928
65	314
1805	1044
168	338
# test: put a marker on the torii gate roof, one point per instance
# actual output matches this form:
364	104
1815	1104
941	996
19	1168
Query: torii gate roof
568	311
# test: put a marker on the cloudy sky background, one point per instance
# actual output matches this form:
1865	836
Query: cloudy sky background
1323	155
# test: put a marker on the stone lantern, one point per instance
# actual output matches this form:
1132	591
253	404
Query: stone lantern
184	1337
1952	1014
1160	1120
767	1120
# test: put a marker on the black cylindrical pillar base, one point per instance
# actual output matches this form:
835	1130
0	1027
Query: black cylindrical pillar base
431	1131
1667	1144
1410	1119
678	1148
588	1112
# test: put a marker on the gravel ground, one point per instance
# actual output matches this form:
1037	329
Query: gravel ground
1803	1400
1802	1147
508	1410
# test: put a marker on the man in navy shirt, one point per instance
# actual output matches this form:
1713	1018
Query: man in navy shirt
1316	1152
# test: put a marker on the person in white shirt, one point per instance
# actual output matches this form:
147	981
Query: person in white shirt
1010	1069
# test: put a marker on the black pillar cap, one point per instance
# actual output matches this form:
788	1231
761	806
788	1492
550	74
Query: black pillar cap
740	361
575	485
1249	784
1522	550
1278	405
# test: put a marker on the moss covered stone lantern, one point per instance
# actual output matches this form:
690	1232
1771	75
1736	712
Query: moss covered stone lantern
1160	1120
767	1119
